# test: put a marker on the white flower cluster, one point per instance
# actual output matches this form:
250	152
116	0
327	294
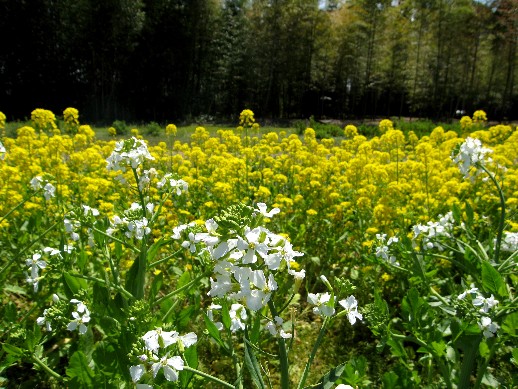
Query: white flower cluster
324	306
156	340
383	248
178	186
434	230
134	223
48	189
470	154
44	320
81	316
128	153
235	272
2	151
484	306
275	328
510	242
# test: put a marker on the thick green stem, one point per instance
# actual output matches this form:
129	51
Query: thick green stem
47	369
208	376
313	353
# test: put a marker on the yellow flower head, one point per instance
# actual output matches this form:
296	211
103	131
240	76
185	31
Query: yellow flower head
246	118
171	130
2	120
479	116
350	131
385	125
112	131
43	120
466	122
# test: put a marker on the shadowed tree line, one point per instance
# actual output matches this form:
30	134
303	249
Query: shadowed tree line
176	60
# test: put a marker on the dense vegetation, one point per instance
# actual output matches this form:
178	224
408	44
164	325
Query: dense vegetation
140	60
251	258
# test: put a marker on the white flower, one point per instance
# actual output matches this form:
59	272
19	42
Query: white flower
275	328
472	292
128	153
322	301
251	246
488	328
90	211
159	338
2	151
170	366
343	386
210	315
79	322
510	241
350	305
42	320
188	340
49	191
36	263
81	307
137	372
485	303
237	315
470	154
261	208
36	183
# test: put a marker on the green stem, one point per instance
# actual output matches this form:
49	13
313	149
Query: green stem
502	213
283	354
156	263
313	353
118	288
208	376
47	369
179	290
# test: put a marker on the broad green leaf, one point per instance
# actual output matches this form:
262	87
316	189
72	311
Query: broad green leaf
79	371
156	285
492	281
328	380
510	324
252	365
483	349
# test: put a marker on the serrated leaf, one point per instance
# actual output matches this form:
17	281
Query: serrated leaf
252	365
492	280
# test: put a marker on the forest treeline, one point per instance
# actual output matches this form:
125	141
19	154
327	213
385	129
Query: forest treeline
142	60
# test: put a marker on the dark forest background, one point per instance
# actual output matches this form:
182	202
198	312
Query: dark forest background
159	60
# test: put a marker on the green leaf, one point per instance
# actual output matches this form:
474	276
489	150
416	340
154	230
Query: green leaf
74	284
12	350
252	365
153	250
79	371
328	380
191	357
515	356
492	281
510	324
483	349
156	285
214	333
225	316
390	380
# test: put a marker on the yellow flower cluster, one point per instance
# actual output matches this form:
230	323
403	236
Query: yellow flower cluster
43	120
246	118
171	130
71	118
2	120
350	131
356	185
479	116
385	125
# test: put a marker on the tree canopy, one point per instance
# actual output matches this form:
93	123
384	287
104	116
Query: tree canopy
180	59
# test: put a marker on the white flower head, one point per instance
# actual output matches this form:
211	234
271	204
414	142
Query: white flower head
171	366
470	154
350	306
158	338
275	328
323	304
137	372
261	208
488	328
